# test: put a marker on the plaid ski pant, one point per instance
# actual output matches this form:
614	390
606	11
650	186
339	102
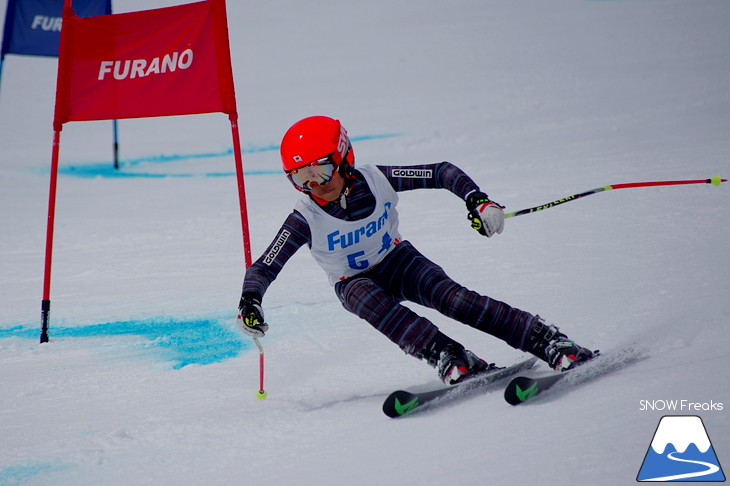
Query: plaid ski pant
405	274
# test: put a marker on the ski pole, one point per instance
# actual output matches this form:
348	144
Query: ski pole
715	181
261	394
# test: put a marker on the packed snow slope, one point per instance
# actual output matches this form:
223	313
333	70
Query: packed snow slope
146	379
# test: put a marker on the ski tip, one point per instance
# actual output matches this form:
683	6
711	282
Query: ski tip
400	403
520	390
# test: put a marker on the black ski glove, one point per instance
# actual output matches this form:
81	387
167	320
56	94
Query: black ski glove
486	216
251	316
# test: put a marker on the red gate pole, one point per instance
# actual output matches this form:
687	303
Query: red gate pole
241	188
46	302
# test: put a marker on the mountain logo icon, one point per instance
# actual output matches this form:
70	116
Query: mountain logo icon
680	451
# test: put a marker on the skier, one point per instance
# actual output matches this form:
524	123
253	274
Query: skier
348	218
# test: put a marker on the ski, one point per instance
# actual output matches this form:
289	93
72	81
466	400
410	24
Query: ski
402	402
523	389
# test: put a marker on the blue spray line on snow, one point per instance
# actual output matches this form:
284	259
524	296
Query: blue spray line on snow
106	169
178	342
22	473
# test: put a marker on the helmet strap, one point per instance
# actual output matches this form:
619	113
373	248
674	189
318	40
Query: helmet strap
342	201
347	171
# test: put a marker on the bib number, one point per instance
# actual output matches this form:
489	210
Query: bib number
354	263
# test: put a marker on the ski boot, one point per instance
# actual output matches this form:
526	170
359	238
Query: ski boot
454	363
457	364
552	346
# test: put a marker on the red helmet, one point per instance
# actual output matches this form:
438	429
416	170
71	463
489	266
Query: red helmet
313	139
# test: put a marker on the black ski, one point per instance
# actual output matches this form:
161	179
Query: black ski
523	389
401	402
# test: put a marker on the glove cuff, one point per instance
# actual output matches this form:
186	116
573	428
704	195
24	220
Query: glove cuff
476	198
249	298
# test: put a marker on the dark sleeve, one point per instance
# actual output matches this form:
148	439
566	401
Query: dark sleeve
292	235
443	175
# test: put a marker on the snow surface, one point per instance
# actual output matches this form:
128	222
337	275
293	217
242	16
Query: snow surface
146	380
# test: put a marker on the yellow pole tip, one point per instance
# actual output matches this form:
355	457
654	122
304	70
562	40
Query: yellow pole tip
717	180
261	395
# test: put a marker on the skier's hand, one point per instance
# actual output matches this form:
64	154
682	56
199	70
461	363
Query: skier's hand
486	216
251	317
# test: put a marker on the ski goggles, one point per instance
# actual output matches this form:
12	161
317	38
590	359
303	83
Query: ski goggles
318	173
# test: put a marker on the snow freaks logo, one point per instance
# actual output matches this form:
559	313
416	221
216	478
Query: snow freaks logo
680	451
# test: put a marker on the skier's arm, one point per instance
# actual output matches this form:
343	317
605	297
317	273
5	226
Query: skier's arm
443	175
293	234
486	216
